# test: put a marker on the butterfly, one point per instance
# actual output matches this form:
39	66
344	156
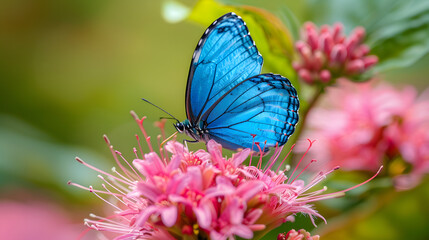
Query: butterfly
228	99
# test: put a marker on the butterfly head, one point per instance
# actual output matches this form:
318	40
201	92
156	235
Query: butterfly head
184	127
180	126
198	133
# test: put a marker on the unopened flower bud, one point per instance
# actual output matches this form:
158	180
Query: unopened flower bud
326	43
325	76
305	75
306	54
338	53
325	29
359	33
312	39
337	31
318	60
360	51
299	45
355	66
296	66
297	235
351	44
370	61
309	26
327	52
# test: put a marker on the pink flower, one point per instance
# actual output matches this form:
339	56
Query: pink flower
294	235
200	194
360	125
408	136
36	221
325	54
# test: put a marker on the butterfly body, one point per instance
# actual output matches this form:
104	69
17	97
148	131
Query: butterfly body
198	132
228	100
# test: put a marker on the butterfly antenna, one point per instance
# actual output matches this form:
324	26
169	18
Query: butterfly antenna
166	118
160	108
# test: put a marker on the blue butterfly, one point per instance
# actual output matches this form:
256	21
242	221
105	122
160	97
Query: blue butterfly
228	100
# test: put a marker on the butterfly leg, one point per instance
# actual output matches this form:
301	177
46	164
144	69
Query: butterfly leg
185	142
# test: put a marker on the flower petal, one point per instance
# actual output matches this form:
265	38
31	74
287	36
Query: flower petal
146	190
203	214
238	158
243	231
169	216
249	189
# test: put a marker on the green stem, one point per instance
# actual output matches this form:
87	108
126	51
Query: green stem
305	112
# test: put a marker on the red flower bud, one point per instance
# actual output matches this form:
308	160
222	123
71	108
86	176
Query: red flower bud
338	53
305	75
296	66
318	60
355	66
370	61
326	42
337	31
325	76
327	52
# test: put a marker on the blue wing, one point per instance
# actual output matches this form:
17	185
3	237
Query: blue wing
265	105
225	56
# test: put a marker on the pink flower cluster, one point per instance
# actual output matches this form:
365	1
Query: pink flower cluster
364	124
325	54
178	194
35	220
297	235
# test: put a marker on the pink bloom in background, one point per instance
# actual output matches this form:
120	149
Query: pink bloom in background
297	235
410	135
201	195
325	54
35	221
359	125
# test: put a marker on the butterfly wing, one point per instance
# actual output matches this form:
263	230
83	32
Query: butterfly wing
225	56
261	108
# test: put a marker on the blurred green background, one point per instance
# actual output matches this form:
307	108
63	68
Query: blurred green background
70	71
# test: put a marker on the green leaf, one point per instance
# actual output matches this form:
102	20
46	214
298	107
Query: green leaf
291	21
206	11
402	37
272	37
397	31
